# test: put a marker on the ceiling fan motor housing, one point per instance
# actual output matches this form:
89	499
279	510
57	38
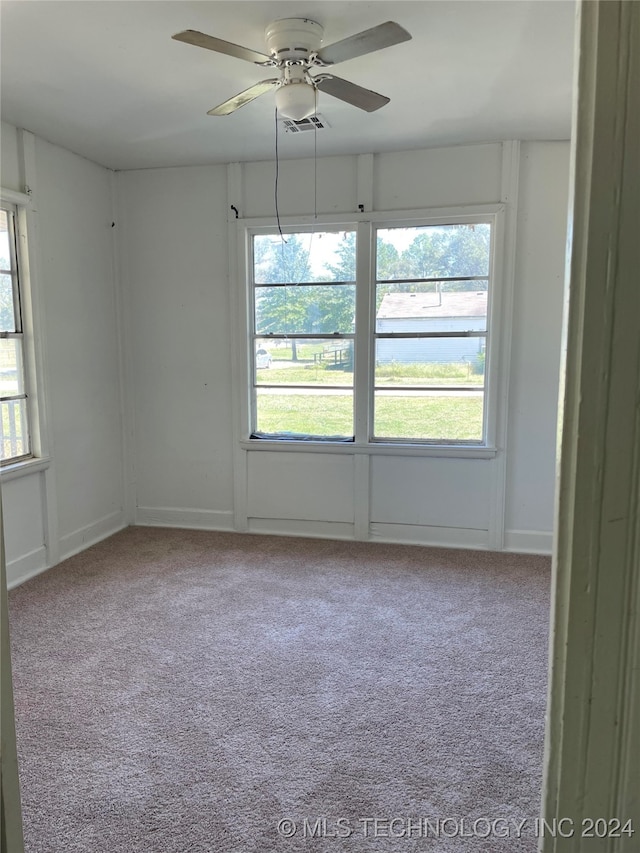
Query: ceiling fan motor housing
290	42
294	46
293	38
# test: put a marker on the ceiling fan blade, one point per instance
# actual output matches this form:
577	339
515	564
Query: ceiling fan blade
365	99
243	98
384	35
220	46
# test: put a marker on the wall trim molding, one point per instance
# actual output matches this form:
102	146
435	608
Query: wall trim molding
90	534
125	357
38	363
510	181
529	541
14	197
430	536
237	287
343	530
194	519
27	566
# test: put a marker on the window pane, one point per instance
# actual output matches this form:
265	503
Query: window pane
11	367
325	256
432	312
15	438
304	362
432	251
430	361
300	412
429	415
5	252
7	315
305	310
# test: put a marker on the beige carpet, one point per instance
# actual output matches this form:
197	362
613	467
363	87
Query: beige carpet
185	691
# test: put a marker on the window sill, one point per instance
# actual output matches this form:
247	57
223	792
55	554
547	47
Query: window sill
24	468
373	449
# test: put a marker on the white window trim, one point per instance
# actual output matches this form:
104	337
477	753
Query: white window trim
364	222
22	467
38	459
14	197
19	335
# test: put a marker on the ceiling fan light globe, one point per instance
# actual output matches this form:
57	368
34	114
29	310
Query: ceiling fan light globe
296	101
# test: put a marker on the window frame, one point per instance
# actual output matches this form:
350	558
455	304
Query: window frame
254	336
375	335
16	232
366	224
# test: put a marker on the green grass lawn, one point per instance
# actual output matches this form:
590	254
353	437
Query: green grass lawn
305	374
305	352
412	417
310	373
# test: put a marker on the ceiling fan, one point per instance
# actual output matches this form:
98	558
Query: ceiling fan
293	46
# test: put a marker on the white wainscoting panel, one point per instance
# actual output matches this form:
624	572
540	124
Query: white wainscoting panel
431	491
304	486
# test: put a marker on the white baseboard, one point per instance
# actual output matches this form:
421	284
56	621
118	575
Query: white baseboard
194	519
529	541
78	540
437	537
407	534
297	527
26	567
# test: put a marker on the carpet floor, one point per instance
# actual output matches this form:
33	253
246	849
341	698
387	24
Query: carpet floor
193	692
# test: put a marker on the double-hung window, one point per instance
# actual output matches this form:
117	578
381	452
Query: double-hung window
15	444
402	348
432	291
303	334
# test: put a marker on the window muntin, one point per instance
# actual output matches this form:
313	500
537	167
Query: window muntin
431	324
15	440
303	335
419	344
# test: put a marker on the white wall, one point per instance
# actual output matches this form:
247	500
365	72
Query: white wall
11	174
175	259
78	497
145	428
174	250
535	351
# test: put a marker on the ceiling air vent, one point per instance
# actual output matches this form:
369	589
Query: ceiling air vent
312	123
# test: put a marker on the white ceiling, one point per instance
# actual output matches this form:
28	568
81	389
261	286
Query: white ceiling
105	79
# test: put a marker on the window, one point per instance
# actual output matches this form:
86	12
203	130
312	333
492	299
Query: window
13	384
432	287
401	349
304	325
